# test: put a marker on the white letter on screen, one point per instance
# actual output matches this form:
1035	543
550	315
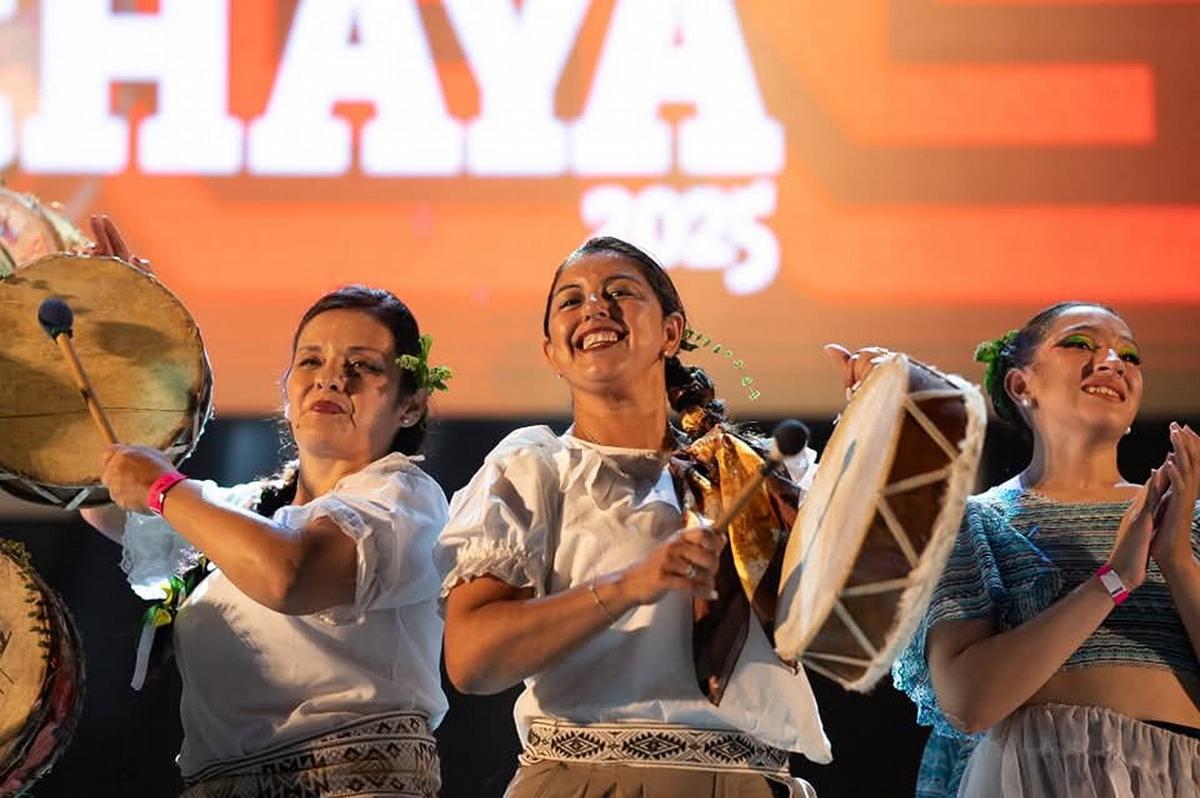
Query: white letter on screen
517	56
675	51
390	65
86	46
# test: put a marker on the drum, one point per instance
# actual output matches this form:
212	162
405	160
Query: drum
875	531
143	353
30	230
41	670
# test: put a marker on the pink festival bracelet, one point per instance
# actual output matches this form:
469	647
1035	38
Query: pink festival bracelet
158	491
1112	583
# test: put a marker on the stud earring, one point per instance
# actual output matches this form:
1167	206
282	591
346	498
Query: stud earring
1026	402
1128	430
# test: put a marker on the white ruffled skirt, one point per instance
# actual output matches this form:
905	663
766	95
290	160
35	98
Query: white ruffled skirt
1053	750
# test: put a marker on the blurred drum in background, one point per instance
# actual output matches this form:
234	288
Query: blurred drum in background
30	230
41	674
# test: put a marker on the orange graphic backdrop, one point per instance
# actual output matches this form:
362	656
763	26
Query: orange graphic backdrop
950	166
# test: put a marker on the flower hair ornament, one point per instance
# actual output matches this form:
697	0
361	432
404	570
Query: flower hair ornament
694	339
428	378
992	353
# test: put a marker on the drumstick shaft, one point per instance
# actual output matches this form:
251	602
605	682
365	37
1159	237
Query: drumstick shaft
748	490
85	387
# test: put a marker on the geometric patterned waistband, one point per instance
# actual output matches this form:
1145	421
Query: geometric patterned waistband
391	754
652	744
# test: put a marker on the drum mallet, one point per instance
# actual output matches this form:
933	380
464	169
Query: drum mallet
791	436
56	319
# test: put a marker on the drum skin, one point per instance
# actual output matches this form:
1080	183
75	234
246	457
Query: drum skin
928	509
139	346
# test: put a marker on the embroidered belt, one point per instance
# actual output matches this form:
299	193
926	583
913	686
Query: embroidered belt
653	744
391	755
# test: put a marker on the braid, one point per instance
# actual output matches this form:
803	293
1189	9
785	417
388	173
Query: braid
279	491
692	395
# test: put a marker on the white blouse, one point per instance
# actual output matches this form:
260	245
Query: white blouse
253	677
551	512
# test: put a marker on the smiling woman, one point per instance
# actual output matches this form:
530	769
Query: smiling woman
306	628
1061	651
577	563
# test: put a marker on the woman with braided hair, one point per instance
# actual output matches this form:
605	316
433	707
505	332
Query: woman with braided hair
1059	655
570	562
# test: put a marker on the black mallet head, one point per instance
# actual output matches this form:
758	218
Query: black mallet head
56	317
791	436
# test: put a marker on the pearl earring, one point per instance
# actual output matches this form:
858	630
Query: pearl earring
1025	402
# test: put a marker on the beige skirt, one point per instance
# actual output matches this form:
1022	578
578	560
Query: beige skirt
1053	750
582	780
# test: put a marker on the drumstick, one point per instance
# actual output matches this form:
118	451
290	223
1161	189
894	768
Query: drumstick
56	319
791	436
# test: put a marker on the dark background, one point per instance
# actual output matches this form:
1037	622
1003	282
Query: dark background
126	742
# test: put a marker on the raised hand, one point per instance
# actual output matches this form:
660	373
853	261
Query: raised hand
111	243
856	365
1131	552
1172	545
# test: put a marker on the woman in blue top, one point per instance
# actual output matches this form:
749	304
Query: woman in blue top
1059	655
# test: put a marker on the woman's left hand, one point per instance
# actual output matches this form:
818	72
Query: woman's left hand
110	242
129	472
1172	546
856	365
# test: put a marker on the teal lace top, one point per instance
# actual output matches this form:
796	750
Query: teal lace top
1017	552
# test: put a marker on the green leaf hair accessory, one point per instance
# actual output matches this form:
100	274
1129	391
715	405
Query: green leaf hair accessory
993	353
429	378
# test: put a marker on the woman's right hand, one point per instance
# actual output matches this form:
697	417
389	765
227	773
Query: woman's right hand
687	561
1131	553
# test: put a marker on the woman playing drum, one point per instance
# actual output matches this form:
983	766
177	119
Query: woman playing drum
1059	655
309	652
565	564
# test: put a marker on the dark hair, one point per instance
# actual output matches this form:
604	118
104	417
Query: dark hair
1015	351
387	309
690	391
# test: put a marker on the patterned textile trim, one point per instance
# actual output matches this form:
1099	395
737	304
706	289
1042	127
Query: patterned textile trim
654	744
392	755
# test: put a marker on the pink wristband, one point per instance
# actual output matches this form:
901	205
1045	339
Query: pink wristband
1112	583
158	491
